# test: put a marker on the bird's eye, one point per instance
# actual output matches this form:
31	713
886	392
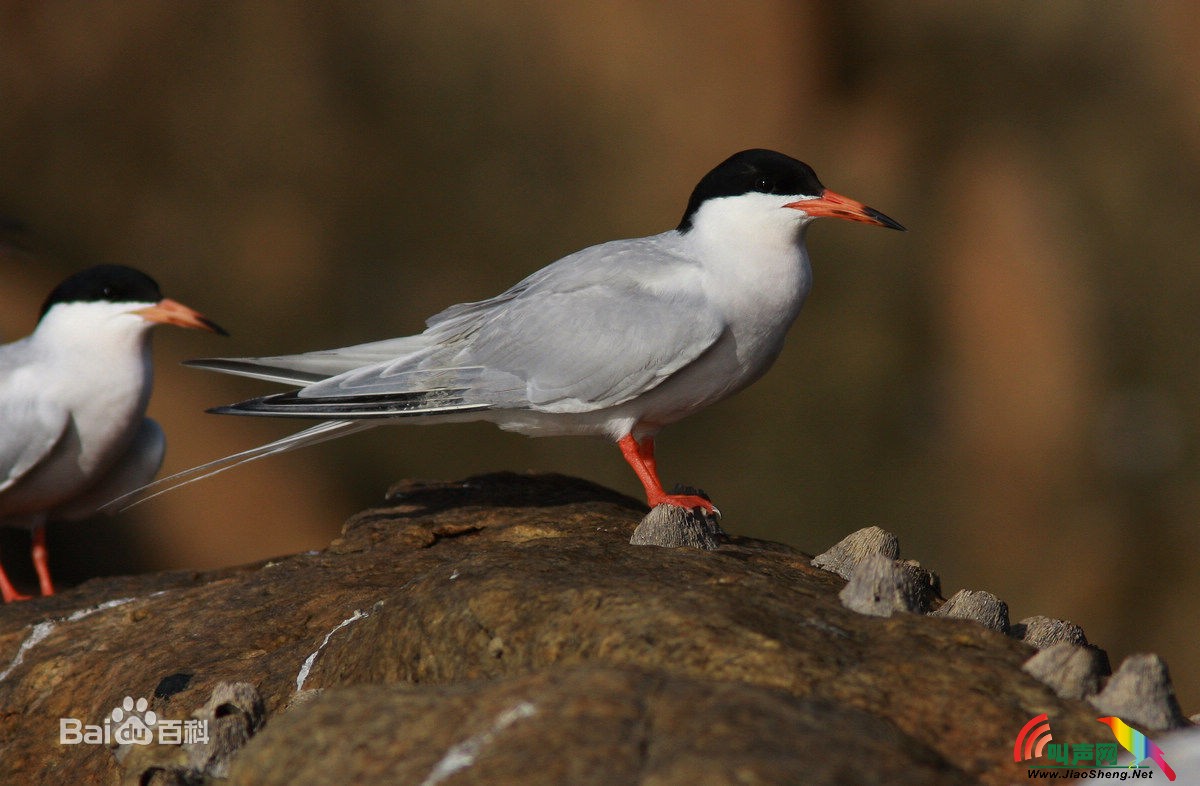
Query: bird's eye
764	184
107	292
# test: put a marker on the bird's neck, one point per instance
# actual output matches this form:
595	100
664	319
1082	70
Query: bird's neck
757	272
113	357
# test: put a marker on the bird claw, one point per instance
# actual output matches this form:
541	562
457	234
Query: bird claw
680	520
691	502
692	499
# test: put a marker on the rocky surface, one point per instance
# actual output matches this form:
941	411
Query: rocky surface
983	607
672	527
503	630
1073	671
1042	632
1141	693
846	554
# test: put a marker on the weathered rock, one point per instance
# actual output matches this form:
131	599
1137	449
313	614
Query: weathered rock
983	607
880	586
231	716
845	555
639	727
452	603
1141	693
1041	632
1071	671
673	527
928	585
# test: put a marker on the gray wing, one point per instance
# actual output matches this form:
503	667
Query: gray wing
309	367
593	348
31	429
135	469
589	332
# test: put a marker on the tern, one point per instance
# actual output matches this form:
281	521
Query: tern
73	395
617	340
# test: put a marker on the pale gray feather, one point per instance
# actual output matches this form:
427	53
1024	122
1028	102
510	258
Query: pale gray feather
311	436
591	331
32	429
137	467
309	367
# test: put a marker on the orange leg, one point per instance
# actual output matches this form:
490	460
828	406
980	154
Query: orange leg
7	590
646	451
40	561
640	456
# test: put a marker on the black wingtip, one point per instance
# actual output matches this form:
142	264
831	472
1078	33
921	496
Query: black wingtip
216	364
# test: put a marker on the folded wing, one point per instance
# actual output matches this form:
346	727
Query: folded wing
567	343
32	428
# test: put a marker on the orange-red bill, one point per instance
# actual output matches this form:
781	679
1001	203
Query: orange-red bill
171	312
837	206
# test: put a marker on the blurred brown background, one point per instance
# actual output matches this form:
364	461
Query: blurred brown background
1009	387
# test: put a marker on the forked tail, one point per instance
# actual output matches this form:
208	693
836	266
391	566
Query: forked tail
321	432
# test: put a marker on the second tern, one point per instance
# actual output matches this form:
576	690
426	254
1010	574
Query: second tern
617	340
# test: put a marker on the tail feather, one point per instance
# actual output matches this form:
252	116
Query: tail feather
311	367
310	436
258	370
443	401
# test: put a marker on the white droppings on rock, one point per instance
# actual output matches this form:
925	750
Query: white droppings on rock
312	658
44	628
463	754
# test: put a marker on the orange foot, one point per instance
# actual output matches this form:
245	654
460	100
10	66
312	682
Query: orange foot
686	501
9	592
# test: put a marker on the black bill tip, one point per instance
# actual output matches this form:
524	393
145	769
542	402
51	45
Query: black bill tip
883	220
214	327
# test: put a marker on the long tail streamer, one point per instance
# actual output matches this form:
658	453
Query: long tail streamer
311	436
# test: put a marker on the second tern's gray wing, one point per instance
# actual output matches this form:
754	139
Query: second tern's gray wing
592	331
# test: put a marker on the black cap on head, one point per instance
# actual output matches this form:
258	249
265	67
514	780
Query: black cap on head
764	171
112	283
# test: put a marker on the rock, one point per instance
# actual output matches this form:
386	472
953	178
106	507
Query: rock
672	527
928	585
983	607
852	549
445	611
1071	671
880	586
1141	694
231	716
1041	632
640	727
